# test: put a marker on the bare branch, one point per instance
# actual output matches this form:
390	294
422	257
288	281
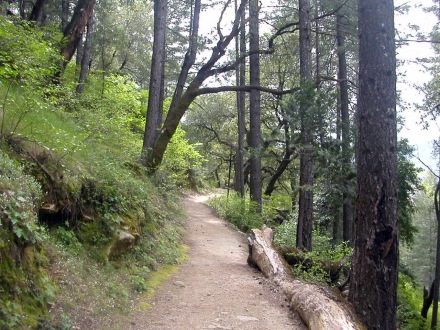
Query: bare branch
427	166
418	40
212	90
219	30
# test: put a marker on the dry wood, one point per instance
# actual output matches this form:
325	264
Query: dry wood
319	307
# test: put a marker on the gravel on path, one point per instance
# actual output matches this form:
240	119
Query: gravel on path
215	288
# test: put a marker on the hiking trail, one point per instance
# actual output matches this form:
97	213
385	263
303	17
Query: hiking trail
215	288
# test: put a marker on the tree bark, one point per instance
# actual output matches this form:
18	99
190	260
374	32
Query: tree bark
64	14
341	25
156	87
427	300
74	30
284	163
37	10
318	307
241	107
436	282
305	212
85	60
373	287
254	107
177	111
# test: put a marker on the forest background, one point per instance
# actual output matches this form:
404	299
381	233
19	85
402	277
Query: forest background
74	106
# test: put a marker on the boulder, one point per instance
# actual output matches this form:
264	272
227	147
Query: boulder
122	242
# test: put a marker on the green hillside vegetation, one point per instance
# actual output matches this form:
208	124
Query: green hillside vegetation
70	184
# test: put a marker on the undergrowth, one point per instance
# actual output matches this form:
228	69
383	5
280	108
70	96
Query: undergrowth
70	181
237	211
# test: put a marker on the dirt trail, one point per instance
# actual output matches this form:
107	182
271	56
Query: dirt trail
215	288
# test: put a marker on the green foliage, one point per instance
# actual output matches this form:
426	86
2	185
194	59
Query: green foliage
180	157
28	55
275	204
20	196
237	211
25	288
419	257
410	300
408	184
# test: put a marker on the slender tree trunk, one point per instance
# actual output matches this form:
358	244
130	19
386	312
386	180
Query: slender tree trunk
177	111
241	107
64	14
305	212
156	89
341	25
437	259
254	106
37	10
74	30
85	59
373	288
284	163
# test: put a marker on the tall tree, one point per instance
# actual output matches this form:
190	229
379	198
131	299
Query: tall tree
241	107
254	106
305	212
86	57
341	26
437	258
37	10
75	29
156	89
373	289
181	104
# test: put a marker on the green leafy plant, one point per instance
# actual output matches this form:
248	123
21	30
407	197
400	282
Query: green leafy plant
237	211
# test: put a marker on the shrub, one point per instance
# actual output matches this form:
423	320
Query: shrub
237	211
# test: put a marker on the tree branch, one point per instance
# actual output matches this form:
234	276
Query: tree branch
248	88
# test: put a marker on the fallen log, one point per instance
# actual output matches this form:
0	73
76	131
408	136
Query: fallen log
318	307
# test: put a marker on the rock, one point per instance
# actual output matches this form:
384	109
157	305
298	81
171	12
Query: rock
49	209
121	243
179	284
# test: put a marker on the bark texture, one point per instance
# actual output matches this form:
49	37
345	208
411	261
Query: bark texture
86	56
306	180
254	107
373	288
318	307
156	87
241	107
436	282
74	30
341	26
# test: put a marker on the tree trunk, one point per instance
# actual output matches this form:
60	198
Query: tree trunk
254	107
318	307
373	287
156	88
177	111
241	107
305	212
64	14
341	25
284	163
85	60
428	296
437	259
74	30
37	10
